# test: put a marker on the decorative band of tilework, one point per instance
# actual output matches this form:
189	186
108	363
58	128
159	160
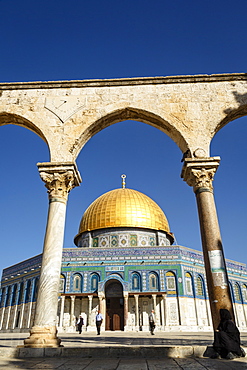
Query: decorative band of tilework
202	190
123	238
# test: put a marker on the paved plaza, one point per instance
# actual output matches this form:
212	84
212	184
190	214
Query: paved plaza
118	350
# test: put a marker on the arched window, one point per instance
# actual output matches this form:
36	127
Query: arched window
136	281
188	284
244	292
14	295
237	293
62	283
171	286
94	282
77	283
28	292
200	286
153	281
20	293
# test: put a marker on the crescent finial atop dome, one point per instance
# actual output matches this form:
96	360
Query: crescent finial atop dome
123	181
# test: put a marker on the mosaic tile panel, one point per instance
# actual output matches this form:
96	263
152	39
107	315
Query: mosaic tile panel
123	240
143	241
162	241
95	242
162	280
85	282
133	240
114	240
144	281
104	241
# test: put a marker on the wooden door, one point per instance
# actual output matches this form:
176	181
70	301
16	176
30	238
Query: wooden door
114	315
116	321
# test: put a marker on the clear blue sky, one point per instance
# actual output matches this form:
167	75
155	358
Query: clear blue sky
66	40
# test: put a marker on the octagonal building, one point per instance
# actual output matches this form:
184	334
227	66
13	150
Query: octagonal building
125	264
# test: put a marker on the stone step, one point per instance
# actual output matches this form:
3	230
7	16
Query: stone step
109	352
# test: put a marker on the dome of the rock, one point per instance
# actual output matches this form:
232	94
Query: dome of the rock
124	208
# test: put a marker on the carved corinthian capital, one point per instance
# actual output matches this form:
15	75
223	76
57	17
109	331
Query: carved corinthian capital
59	179
199	173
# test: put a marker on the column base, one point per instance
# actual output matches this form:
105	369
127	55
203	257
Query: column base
43	336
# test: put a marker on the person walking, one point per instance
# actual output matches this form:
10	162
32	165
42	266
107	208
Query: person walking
151	319
80	322
99	320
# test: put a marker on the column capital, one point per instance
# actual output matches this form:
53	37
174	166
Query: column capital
199	173
59	179
90	297
101	295
72	297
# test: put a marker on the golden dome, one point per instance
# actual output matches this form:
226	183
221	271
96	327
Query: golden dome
123	208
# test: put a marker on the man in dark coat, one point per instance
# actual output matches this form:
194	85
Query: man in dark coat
227	338
80	322
151	322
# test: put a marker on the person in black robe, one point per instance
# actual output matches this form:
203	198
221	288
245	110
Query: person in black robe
227	338
80	322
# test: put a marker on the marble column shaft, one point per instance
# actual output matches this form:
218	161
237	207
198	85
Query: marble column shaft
137	309
126	311
62	310
154	305
163	304
199	173
59	179
72	310
90	301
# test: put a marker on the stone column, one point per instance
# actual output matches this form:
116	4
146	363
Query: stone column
199	173
154	303
126	310
101	307
59	179
163	303
3	300
61	311
72	310
90	301
21	315
137	311
30	303
8	316
9	307
14	316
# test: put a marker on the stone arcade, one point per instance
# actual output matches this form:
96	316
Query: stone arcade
189	109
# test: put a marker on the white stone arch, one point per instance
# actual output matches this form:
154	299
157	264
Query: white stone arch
135	114
14	119
233	112
102	284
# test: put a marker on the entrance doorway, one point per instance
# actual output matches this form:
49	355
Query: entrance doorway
114	305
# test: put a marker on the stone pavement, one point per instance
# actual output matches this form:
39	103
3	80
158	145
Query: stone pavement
117	350
121	364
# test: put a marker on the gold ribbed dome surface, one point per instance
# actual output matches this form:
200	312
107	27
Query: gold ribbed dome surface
123	208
